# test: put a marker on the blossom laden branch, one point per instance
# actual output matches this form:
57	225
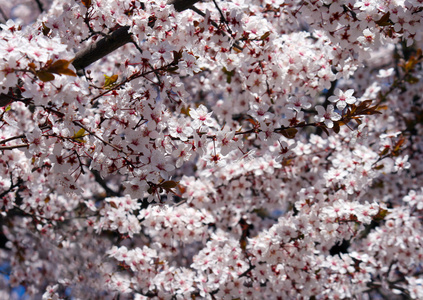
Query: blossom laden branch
214	174
3	148
103	47
96	136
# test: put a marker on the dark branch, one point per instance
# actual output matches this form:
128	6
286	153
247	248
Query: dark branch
100	180
116	40
103	47
108	44
40	5
3	15
181	5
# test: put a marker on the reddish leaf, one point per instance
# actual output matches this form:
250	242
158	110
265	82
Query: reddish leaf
323	127
385	21
32	66
45	29
252	121
265	36
384	151
399	143
336	127
169	184
45	76
289	133
61	67
87	3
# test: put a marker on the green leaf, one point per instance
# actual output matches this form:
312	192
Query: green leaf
110	81
265	36
79	136
381	215
228	74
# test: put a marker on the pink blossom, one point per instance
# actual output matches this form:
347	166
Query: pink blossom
326	115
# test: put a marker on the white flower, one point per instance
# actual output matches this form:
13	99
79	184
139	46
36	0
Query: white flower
385	73
342	98
401	163
179	129
201	116
327	116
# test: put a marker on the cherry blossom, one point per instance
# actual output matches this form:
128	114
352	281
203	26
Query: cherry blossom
327	115
342	99
211	149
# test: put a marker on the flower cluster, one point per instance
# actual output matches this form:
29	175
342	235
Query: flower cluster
229	150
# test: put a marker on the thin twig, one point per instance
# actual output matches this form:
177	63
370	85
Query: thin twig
100	181
40	5
12	186
221	15
95	135
13	147
12	138
3	15
196	10
134	76
149	64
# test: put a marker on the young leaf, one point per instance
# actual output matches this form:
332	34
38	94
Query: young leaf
381	214
61	67
110	81
336	127
412	80
169	184
379	167
79	136
87	3
289	133
385	21
45	29
265	36
323	128
228	74
45	76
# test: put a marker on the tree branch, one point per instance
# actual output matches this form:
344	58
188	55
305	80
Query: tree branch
40	5
116	40
103	47
108	44
181	5
3	15
13	147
